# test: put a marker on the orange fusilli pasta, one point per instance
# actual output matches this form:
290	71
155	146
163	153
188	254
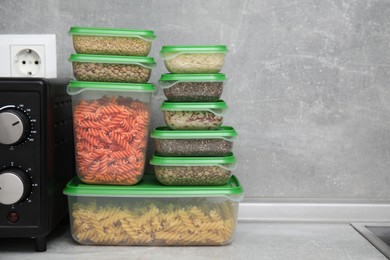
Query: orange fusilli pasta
110	140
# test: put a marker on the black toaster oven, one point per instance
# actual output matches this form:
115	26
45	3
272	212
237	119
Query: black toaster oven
36	156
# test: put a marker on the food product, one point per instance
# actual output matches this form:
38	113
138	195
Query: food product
110	123
193	115
112	41
153	214
111	68
193	170
192	175
191	223
194	59
192	87
177	143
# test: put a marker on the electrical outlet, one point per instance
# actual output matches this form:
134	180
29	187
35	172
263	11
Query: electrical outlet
28	55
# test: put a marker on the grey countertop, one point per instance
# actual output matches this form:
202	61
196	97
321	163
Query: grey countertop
253	240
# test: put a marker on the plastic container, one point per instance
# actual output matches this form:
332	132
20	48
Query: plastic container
110	123
111	41
106	68
194	59
193	170
194	115
152	214
179	143
192	87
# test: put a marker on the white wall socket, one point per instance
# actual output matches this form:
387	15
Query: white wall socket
28	55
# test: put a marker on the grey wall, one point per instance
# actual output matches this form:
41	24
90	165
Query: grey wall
308	90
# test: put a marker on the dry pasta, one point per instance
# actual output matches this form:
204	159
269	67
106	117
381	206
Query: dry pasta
110	140
151	223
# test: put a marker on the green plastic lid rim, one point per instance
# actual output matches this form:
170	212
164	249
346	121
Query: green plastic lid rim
169	80
226	133
231	190
147	62
76	87
147	35
172	51
192	161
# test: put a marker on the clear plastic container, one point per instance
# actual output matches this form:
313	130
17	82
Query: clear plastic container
152	214
194	115
192	87
193	170
194	59
111	41
106	68
177	143
110	123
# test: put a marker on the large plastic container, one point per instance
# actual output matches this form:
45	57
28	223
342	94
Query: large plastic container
192	87
193	170
111	41
177	143
194	59
152	214
107	68
110	123
194	115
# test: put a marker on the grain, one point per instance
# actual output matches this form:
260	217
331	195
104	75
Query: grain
192	175
195	63
193	147
192	120
194	91
110	45
110	72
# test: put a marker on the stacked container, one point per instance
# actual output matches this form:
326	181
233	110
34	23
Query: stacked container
111	103
111	121
194	148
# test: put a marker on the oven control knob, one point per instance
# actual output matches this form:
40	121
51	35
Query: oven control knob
14	186
14	126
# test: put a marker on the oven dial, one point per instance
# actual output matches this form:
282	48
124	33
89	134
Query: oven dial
14	126
14	186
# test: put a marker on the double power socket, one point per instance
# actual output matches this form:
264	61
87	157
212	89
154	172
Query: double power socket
28	55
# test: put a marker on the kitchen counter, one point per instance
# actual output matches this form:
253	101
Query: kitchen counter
253	240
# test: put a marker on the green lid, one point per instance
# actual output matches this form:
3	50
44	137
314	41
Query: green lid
146	34
223	132
150	187
192	161
194	49
193	106
76	87
147	62
193	77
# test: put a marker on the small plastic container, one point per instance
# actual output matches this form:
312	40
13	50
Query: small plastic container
193	170
106	68
152	214
177	143
192	87
110	123
111	41
194	59
194	115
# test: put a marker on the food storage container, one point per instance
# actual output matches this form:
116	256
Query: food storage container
193	170
194	59
192	87
218	142
152	214
194	115
110	123
111	41
107	68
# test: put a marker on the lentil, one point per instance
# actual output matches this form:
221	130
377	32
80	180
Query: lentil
192	120
110	72
111	45
195	63
194	91
192	175
193	147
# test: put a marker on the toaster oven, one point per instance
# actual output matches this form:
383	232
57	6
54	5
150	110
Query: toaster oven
36	156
